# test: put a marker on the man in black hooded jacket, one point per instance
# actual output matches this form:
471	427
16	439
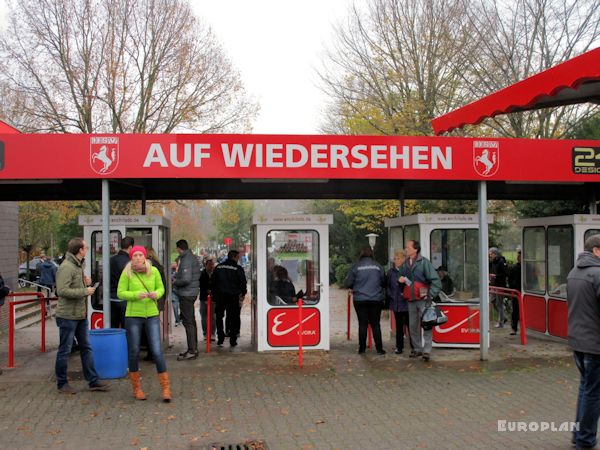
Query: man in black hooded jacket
583	300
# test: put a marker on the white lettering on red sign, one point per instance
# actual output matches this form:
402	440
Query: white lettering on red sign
315	156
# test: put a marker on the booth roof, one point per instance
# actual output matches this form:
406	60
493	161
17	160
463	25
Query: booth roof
571	82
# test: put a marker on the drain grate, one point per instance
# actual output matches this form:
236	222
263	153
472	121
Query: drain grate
248	445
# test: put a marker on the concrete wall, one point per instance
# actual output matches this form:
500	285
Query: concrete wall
9	251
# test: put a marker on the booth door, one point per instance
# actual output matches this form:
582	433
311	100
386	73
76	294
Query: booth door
96	255
297	260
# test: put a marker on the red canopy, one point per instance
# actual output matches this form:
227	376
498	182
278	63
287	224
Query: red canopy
574	81
5	128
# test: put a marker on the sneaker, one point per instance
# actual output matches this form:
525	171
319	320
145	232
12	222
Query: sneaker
99	386
381	352
499	325
187	356
398	351
414	354
361	351
67	389
426	357
220	341
513	333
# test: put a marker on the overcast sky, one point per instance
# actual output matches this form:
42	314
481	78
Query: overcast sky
276	45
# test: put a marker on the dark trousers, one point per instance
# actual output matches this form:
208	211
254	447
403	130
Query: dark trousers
230	305
514	320
368	313
67	330
588	400
188	318
135	327
117	313
402	321
203	315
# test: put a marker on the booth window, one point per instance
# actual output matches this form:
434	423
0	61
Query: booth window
396	240
293	265
411	233
560	259
589	233
534	259
96	255
458	251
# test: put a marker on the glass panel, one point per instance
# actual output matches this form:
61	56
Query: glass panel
95	260
560	259
293	265
457	250
589	233
534	258
141	236
411	233
396	241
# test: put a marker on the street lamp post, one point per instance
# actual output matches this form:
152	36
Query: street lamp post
372	237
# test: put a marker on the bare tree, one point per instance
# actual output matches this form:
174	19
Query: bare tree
520	38
141	66
395	65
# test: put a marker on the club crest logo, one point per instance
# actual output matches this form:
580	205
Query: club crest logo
104	154
486	157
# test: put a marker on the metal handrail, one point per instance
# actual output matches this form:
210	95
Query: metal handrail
31	283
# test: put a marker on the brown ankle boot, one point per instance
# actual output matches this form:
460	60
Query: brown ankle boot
164	384
136	384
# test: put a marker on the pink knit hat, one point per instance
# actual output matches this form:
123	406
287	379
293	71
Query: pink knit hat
138	248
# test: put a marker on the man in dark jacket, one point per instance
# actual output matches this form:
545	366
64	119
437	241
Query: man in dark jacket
367	281
514	282
229	289
187	287
117	264
583	300
498	273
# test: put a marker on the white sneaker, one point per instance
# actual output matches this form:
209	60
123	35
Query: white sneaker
499	325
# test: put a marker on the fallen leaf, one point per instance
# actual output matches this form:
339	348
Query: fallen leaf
318	422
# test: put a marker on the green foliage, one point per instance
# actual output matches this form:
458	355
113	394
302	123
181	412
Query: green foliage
546	208
233	218
341	272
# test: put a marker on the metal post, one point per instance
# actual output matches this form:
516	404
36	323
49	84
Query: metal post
593	205
106	253
401	203
484	301
143	202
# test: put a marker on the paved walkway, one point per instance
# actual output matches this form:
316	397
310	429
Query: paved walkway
338	400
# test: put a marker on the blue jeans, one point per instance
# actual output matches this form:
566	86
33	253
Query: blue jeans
175	303
67	329
588	401
134	326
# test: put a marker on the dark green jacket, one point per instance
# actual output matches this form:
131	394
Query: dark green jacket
71	290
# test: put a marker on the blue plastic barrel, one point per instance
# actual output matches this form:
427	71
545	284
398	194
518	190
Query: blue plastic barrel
110	352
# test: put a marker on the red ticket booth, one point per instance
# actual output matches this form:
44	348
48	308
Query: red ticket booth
450	240
550	248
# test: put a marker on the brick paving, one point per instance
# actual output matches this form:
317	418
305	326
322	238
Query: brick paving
338	400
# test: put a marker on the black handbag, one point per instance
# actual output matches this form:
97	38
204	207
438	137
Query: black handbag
432	316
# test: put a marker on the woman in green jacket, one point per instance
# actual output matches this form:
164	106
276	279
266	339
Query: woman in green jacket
141	285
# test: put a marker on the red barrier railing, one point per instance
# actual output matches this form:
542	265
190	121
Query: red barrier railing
349	304
300	332
369	330
513	293
208	322
11	321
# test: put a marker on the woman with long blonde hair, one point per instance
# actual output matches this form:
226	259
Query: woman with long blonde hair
141	286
